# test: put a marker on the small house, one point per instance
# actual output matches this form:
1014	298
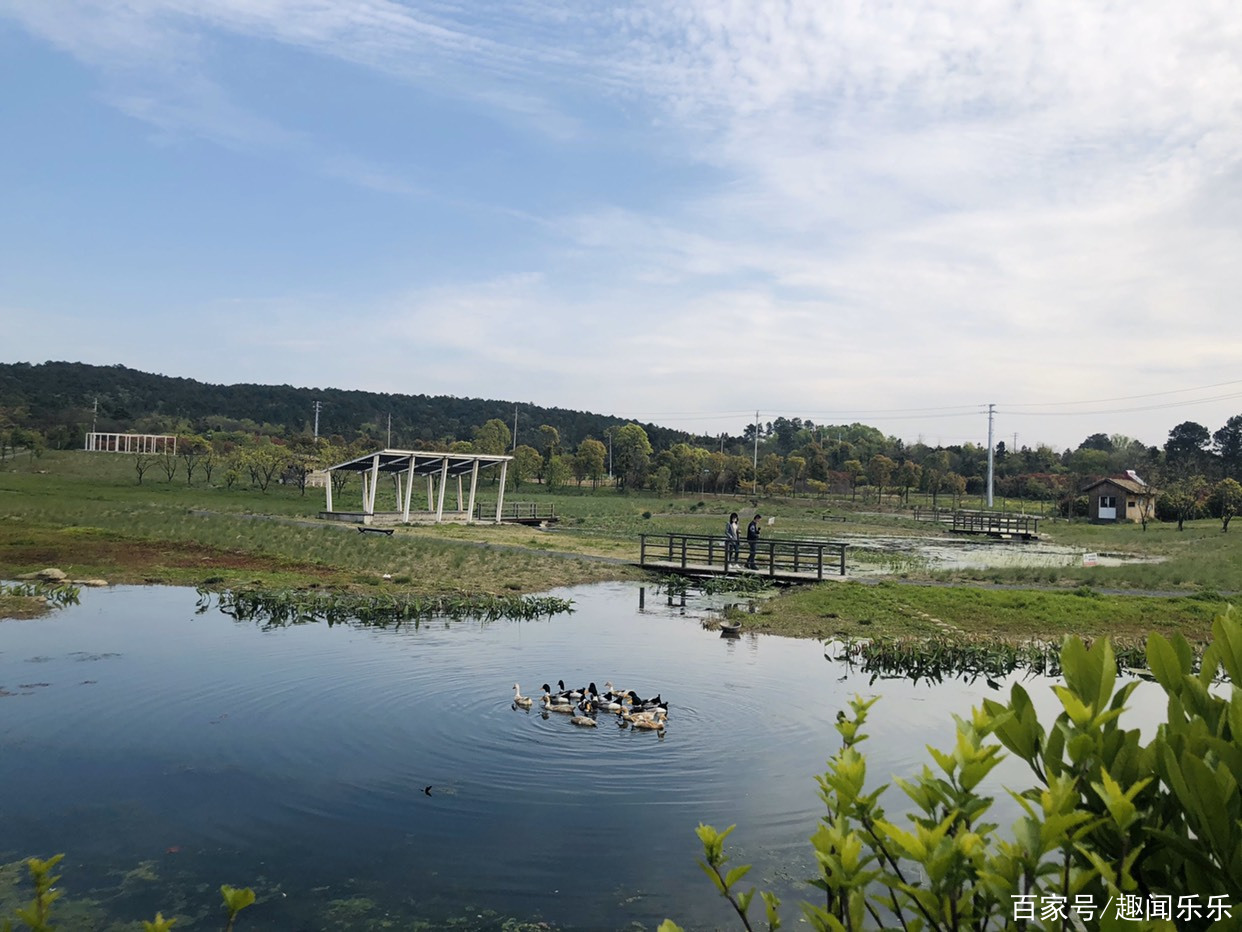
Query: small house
1119	498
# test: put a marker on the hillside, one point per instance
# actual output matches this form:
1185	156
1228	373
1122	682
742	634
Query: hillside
59	398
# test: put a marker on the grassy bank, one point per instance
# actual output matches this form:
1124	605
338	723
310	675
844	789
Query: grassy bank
86	514
854	610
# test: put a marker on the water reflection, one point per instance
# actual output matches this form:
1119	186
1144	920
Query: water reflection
296	760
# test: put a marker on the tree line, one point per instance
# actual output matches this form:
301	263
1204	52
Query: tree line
236	427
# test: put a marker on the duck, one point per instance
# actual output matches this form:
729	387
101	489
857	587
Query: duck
519	700
641	716
553	698
549	705
583	720
570	693
646	704
608	703
655	723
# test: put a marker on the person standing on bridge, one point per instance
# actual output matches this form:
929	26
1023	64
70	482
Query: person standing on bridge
752	538
733	539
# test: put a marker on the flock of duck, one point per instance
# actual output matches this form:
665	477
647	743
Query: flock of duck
586	703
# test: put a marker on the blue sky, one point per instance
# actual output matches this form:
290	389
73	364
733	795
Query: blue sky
887	212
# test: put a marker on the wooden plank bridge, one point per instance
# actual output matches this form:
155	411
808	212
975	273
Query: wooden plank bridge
990	523
519	513
784	560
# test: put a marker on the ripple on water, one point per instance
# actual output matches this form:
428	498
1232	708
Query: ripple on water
306	750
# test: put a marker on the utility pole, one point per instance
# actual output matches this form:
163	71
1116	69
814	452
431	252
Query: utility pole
95	416
609	433
515	407
755	465
318	405
388	443
991	412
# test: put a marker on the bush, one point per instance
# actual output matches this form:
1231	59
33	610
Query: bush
1125	834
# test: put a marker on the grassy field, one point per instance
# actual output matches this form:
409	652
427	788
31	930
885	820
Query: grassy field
86	514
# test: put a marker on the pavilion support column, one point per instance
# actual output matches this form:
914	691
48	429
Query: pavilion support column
443	486
474	481
365	493
500	495
459	498
370	509
431	505
409	491
327	488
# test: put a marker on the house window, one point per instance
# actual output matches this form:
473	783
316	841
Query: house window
1131	504
1108	501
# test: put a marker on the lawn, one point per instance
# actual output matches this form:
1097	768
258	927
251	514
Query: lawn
88	515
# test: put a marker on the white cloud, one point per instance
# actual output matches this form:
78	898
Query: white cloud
898	205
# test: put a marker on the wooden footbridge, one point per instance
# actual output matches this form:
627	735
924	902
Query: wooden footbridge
784	560
989	523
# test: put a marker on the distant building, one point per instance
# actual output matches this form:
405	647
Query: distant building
1119	498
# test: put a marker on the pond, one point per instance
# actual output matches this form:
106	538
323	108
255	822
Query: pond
168	752
871	555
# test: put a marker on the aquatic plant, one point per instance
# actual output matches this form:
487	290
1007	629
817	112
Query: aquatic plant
37	915
1113	833
712	585
282	607
56	594
936	659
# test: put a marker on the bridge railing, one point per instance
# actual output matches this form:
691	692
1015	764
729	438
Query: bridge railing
773	556
515	511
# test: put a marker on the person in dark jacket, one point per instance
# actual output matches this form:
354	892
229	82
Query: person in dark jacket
752	538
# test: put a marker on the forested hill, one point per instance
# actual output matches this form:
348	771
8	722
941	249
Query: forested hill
58	399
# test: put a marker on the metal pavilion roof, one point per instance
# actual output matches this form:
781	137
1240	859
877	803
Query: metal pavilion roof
424	462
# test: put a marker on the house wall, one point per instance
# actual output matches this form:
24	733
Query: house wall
1129	505
1105	489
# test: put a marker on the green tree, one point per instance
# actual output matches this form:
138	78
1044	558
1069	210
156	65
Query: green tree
769	469
192	448
526	465
549	441
935	469
1227	442
558	471
909	475
1187	445
264	461
589	461
631	450
855	474
880	470
492	438
955	485
795	468
1184	498
1225	501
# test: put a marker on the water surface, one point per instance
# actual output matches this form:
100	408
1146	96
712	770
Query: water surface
168	752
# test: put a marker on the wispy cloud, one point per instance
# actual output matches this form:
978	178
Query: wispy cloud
1045	194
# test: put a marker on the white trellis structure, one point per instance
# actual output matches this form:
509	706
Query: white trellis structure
131	443
440	470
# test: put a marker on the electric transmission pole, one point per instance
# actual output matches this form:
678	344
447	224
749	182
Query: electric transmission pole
318	405
991	411
755	481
